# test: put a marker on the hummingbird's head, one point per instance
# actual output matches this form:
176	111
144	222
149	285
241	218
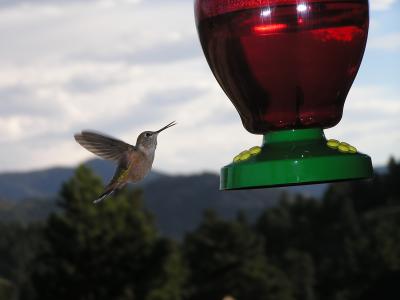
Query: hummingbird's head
148	139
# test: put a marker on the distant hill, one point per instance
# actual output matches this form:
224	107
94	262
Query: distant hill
29	196
176	201
185	203
46	183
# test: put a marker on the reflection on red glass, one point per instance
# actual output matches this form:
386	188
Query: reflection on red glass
268	28
288	68
345	33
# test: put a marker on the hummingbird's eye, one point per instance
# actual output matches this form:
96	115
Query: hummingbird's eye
147	134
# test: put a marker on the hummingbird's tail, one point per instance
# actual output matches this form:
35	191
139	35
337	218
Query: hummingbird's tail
106	193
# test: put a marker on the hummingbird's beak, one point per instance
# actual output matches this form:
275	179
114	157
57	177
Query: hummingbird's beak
167	126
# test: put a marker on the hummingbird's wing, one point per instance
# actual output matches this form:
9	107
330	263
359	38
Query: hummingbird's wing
102	145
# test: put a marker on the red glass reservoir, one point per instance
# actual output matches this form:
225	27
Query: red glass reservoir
284	64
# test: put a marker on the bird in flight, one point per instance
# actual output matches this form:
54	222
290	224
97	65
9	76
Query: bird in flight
133	162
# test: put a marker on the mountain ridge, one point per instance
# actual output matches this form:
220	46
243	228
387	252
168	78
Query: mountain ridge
30	196
45	183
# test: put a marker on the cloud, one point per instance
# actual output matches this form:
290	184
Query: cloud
377	5
173	96
83	32
380	5
106	3
152	110
90	83
370	122
17	99
165	50
386	42
182	48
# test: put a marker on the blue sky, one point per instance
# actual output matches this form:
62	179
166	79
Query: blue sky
124	66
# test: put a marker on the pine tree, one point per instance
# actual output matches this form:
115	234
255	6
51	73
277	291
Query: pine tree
227	258
104	251
7	290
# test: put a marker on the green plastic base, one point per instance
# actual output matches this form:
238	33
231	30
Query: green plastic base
292	157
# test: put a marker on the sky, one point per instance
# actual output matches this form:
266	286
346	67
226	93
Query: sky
125	66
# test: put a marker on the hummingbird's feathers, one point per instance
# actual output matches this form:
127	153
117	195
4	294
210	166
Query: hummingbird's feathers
102	145
121	175
103	196
119	179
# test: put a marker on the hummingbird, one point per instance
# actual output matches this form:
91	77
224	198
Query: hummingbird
133	162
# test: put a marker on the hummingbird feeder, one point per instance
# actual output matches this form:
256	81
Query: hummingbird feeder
287	66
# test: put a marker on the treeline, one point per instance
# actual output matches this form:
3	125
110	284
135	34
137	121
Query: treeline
344	246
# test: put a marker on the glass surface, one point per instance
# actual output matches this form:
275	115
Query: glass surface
284	64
